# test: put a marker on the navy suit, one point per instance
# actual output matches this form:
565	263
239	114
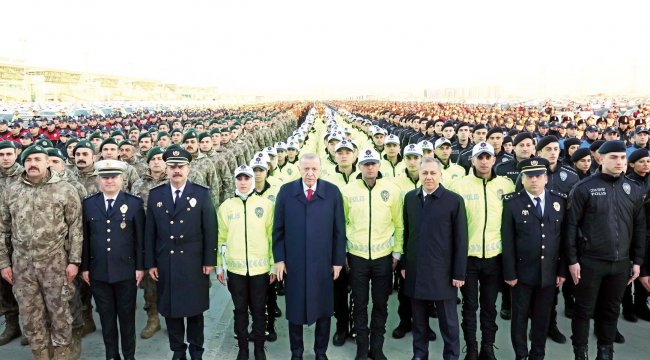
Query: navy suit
113	249
179	240
532	255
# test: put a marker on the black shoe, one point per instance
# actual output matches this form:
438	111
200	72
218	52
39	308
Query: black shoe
275	311
401	330
506	314
619	339
259	352
377	355
178	355
471	351
270	333
243	353
555	335
581	352
321	357
432	335
295	357
487	353
340	337
605	352
630	316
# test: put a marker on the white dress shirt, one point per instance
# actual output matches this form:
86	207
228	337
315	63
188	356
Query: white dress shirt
182	188
541	197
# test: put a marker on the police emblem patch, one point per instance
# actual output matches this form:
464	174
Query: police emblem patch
627	188
272	197
500	194
556	206
259	212
289	171
524	212
563	175
385	195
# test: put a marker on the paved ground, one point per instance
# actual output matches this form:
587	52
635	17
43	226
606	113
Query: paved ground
221	345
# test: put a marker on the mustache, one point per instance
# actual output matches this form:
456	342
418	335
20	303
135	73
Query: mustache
32	168
81	162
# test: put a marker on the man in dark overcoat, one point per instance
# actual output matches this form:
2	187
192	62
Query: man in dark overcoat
435	258
180	252
309	250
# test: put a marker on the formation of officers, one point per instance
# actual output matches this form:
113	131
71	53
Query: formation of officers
330	210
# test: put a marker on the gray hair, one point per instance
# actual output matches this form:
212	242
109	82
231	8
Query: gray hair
309	156
430	159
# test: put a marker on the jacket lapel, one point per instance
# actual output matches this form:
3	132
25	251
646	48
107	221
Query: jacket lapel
183	202
167	199
547	205
119	202
298	193
101	204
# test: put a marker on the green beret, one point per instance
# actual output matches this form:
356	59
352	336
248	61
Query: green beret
117	133
144	135
6	144
153	152
162	134
71	141
84	144
126	142
214	121
176	130
234	127
190	134
215	131
107	142
133	129
31	150
55	152
203	135
95	135
153	128
174	146
225	130
46	143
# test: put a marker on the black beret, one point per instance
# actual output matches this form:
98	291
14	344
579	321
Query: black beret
448	124
545	141
579	154
596	145
460	125
521	137
494	130
612	146
513	132
570	142
478	127
507	139
638	154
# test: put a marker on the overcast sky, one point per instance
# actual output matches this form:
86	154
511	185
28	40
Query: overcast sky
341	48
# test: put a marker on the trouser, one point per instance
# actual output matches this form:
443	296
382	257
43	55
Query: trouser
248	292
363	272
447	321
42	292
482	284
404	302
536	302
635	297
176	332
116	302
506	297
599	292
8	303
150	293
341	308
567	292
321	337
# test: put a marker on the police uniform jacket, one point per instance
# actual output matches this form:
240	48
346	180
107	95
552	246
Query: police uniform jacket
179	241
532	250
113	245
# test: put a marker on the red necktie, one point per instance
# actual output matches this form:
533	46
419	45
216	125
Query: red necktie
310	192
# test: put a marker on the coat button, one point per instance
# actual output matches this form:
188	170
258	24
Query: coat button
542	225
181	251
108	230
543	236
543	247
172	222
171	252
108	221
181	221
108	249
181	236
542	257
108	240
171	237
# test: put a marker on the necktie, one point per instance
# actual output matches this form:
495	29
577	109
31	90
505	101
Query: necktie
109	209
538	207
310	192
427	198
177	198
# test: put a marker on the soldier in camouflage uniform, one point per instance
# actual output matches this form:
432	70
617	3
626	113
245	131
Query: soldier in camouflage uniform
69	148
10	172
127	154
43	216
227	184
237	151
215	135
110	151
57	164
155	176
202	170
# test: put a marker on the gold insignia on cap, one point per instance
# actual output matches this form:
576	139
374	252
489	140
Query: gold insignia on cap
534	162
176	153
556	206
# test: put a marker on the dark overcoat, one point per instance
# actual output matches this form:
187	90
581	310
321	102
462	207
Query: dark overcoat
435	244
310	238
179	241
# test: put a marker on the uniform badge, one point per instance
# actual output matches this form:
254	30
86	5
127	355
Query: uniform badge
563	175
259	212
124	208
500	194
289	171
524	212
385	195
123	225
556	206
159	204
192	202
272	197
626	188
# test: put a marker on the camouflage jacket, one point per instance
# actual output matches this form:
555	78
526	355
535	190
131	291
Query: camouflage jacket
10	175
88	179
203	172
130	177
140	165
144	184
227	184
41	218
238	151
70	178
229	157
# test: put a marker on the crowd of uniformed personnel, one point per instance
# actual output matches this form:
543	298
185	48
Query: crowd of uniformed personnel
492	157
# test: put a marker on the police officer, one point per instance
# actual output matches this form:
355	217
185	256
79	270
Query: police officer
113	256
531	233
180	252
606	230
245	241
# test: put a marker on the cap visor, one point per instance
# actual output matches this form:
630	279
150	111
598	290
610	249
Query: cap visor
534	172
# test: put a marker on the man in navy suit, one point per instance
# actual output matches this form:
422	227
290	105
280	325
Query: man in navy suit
180	252
113	256
309	250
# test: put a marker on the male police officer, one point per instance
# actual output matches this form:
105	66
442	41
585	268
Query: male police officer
113	256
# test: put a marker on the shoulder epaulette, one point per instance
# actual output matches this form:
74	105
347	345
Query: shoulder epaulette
510	196
564	196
